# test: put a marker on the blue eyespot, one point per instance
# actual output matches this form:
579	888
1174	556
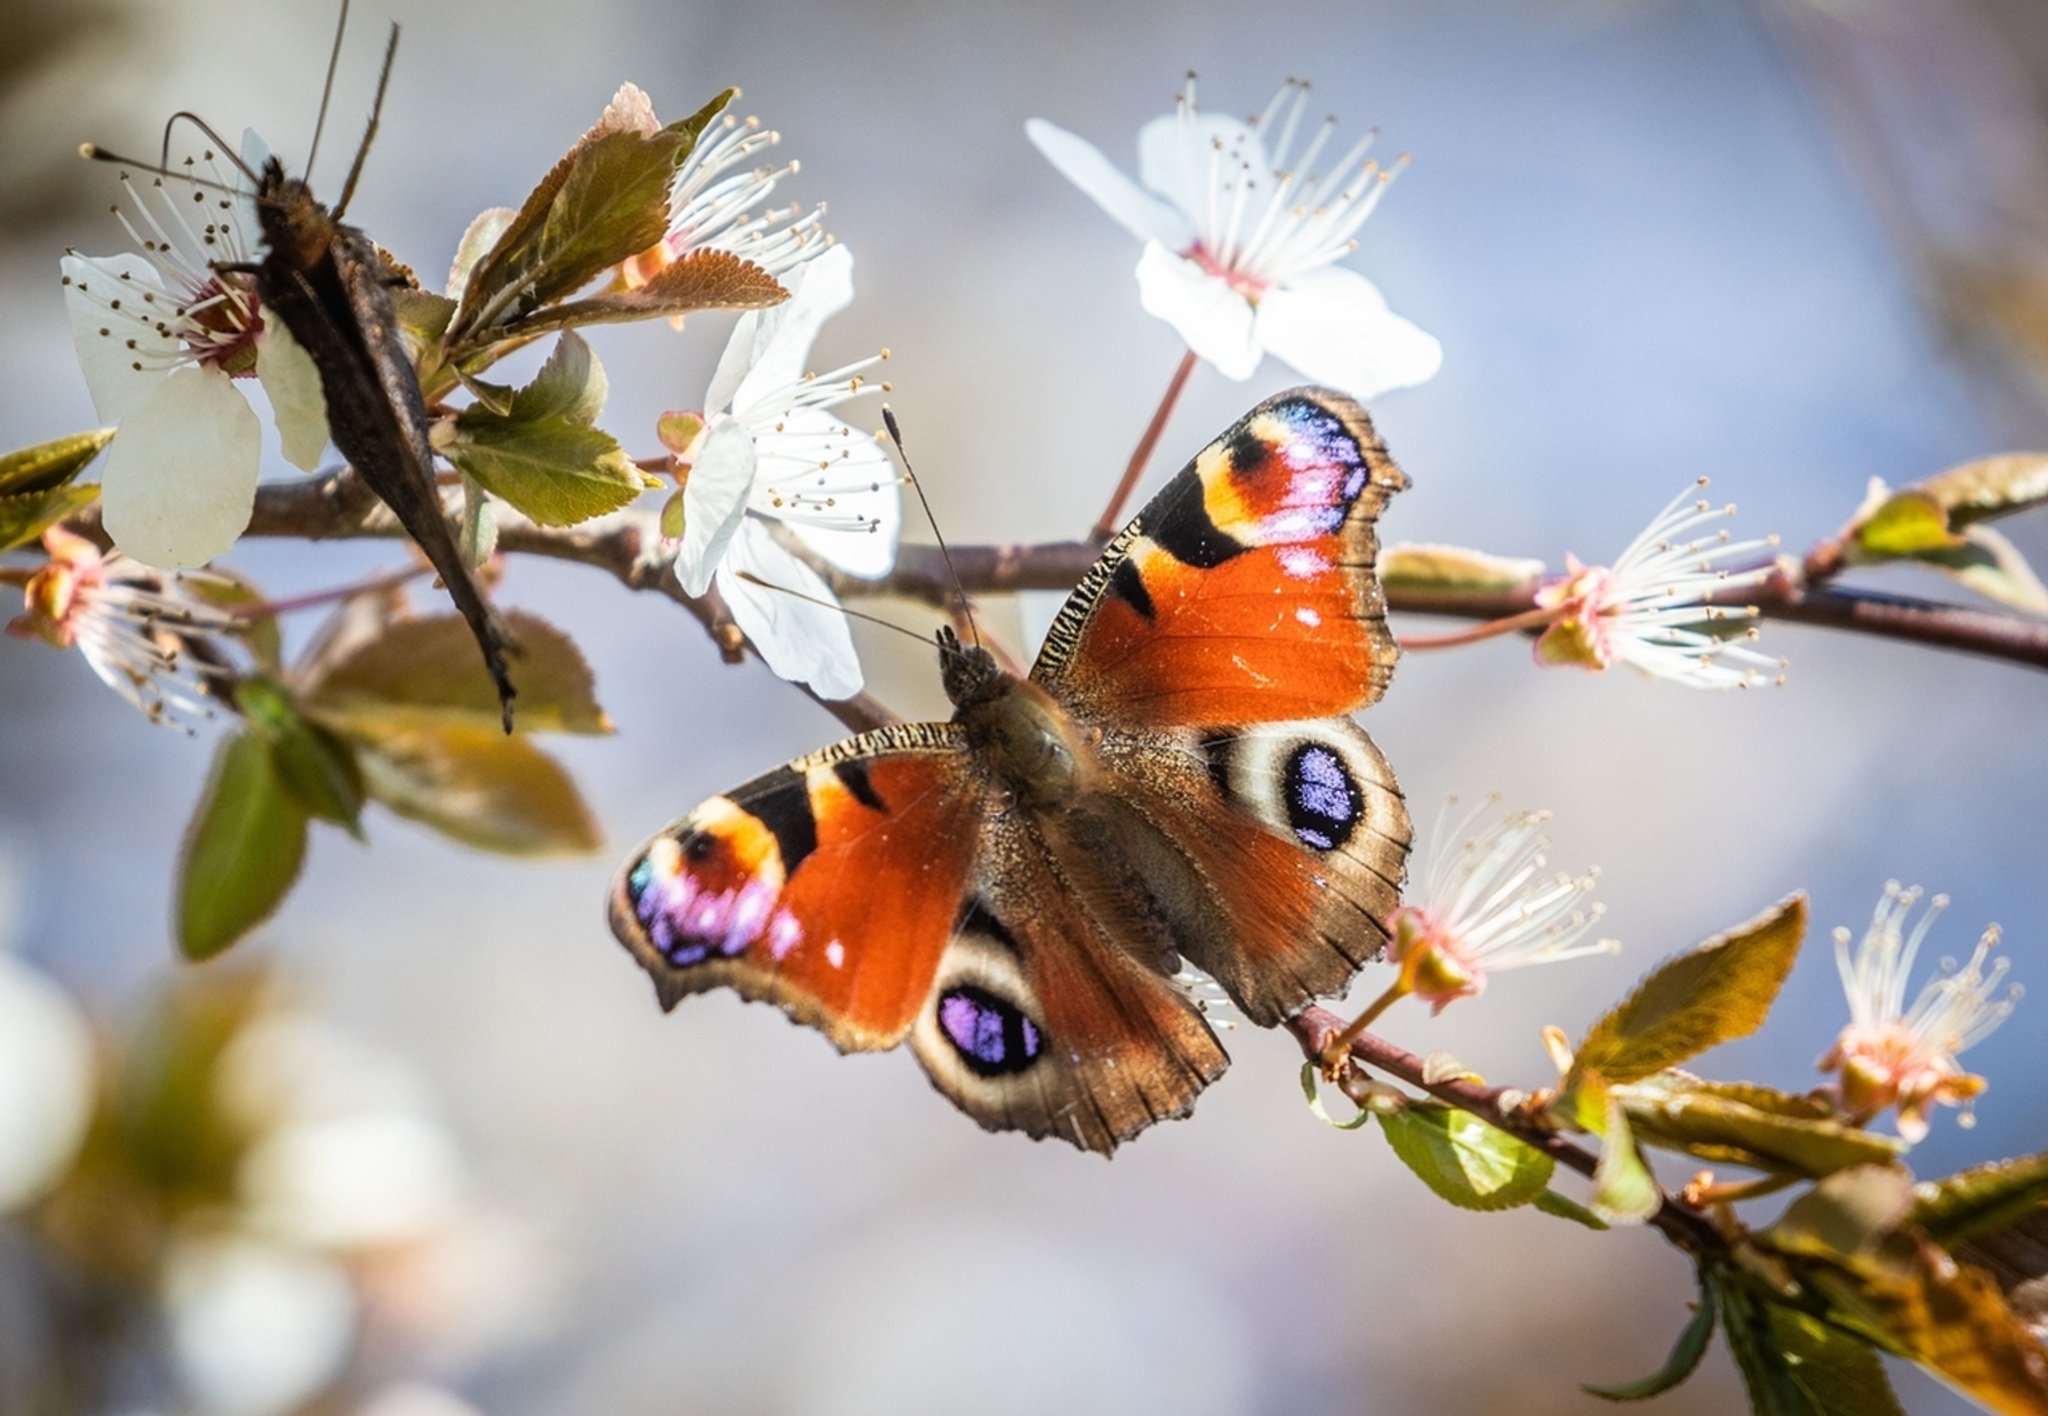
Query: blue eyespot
992	1037
1323	803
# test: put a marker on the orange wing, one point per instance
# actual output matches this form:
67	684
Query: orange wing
829	887
1244	592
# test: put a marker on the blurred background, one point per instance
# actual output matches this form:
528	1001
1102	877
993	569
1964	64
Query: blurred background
1789	246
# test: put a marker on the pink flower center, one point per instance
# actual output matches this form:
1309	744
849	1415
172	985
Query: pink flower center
1249	286
222	322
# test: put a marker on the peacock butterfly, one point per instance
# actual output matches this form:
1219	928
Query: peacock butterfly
1013	890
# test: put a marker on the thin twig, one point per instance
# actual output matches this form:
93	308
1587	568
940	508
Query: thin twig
1113	514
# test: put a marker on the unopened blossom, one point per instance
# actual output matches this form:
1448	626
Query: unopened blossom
1243	225
162	333
1894	1056
717	203
1661	607
1487	903
773	449
146	635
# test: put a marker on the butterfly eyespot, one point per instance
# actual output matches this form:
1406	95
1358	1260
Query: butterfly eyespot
698	848
992	1036
1323	802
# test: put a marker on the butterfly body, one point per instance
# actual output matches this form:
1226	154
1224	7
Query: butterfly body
1013	891
331	286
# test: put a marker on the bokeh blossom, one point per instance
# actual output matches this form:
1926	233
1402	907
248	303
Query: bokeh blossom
162	333
1487	904
1243	232
771	448
1894	1056
1657	608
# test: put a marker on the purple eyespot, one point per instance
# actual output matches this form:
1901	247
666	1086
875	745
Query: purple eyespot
1323	803
992	1036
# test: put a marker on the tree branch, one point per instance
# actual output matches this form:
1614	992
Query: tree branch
1501	1108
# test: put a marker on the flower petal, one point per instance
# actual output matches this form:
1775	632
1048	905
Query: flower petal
292	380
833	486
1134	209
181	477
769	347
1334	326
1186	158
1215	320
803	642
714	501
102	334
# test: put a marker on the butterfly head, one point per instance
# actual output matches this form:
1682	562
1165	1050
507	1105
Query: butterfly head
295	224
970	673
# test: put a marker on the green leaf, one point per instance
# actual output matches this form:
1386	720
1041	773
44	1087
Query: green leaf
1720	990
703	280
1550	1202
673	512
48	466
1454	570
1310	1075
315	767
1988	487
475	785
1684	1359
1993	567
242	851
556	471
1742	1124
422	320
1796	1365
1846	1216
1624	1189
1464	1160
1981	1199
571	383
427	671
678	430
25	516
1904	524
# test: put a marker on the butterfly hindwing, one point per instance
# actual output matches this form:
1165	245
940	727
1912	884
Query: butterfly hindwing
1043	1016
1244	591
829	886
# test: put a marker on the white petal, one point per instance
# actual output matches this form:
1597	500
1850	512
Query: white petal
1136	210
181	476
802	642
714	501
102	334
1215	320
782	334
255	153
1334	326
46	1066
292	380
868	554
856	478
1193	162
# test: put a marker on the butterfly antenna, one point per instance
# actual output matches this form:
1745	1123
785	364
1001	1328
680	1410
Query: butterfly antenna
327	89
96	153
348	188
227	149
822	603
910	474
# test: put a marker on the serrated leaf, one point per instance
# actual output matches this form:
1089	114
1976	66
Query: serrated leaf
1624	1189
555	471
1684	1359
1742	1124
1454	570
1719	990
242	851
1981	1199
1550	1202
1993	567
1311	1074
1464	1160
702	280
415	671
1795	1365
571	383
316	768
25	516
475	785
1988	487
49	465
613	205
